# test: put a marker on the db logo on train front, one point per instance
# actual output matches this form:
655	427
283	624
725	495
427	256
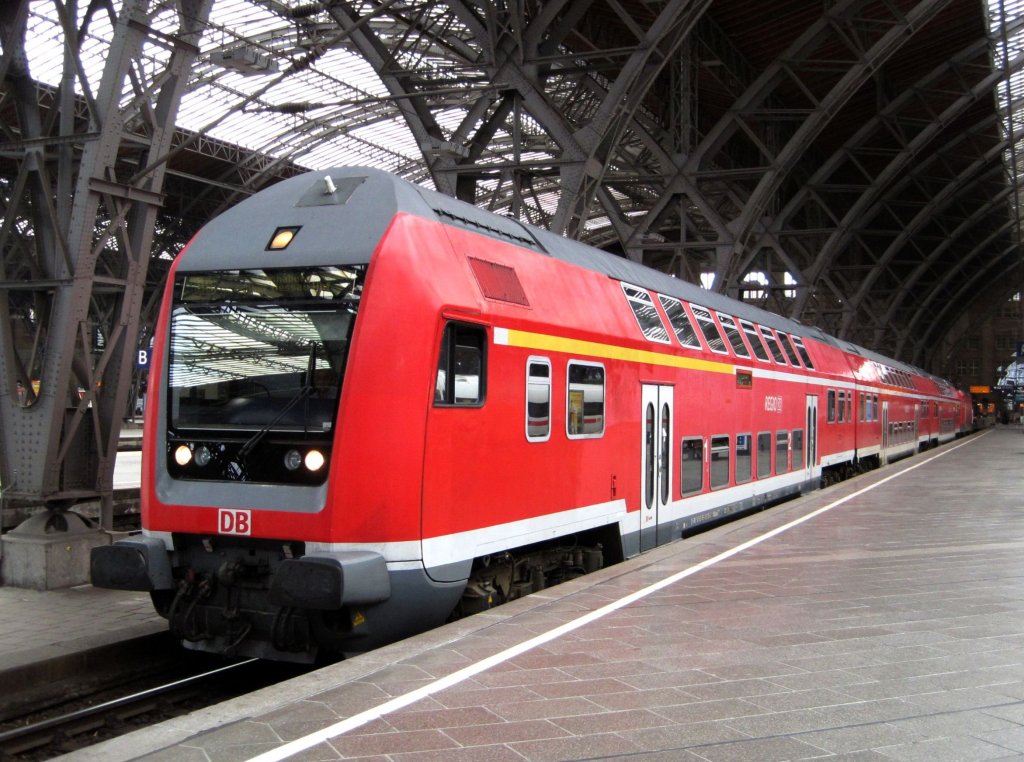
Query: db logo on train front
234	522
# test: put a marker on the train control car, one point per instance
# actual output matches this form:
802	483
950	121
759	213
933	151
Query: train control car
373	407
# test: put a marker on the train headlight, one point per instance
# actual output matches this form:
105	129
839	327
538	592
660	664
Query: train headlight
202	456
292	459
315	460
183	455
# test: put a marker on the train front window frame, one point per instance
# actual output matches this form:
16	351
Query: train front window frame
461	379
538	399
584	418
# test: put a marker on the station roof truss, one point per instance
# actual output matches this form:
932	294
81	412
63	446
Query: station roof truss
853	164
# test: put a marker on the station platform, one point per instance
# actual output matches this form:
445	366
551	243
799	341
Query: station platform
880	619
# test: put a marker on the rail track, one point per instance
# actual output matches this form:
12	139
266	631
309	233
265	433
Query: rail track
55	730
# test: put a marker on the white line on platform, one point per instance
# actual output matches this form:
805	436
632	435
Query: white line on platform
400	702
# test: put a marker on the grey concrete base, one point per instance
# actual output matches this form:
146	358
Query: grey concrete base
44	554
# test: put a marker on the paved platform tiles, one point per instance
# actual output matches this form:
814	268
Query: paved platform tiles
890	626
39	625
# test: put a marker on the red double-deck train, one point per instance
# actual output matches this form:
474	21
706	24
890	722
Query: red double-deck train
371	406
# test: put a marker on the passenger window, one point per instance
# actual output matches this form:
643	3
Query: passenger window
849	406
773	345
831	405
733	334
754	340
764	454
798	449
744	458
720	453
842	407
799	344
691	471
646	313
681	323
710	330
863	407
538	399
461	378
584	408
781	452
787	347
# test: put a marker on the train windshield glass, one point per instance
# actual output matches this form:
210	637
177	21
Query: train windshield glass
252	349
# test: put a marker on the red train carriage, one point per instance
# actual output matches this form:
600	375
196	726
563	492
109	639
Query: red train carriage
372	405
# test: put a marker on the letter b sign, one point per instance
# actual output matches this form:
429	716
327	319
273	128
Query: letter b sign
234	522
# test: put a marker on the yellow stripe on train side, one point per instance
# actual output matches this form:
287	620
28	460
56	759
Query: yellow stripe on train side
547	343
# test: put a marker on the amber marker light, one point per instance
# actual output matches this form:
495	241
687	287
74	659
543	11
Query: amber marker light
182	455
282	238
314	460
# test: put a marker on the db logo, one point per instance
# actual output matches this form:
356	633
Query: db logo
234	522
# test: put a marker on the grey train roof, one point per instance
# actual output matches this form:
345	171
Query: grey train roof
362	201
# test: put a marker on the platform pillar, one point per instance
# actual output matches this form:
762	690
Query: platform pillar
49	551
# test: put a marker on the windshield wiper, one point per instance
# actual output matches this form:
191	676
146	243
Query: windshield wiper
303	393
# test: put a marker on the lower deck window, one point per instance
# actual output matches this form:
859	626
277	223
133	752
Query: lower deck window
584	409
798	449
764	454
744	458
781	452
691	470
538	399
720	453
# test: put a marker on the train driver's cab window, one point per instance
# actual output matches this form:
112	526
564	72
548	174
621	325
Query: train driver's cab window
538	399
584	405
691	480
764	454
720	454
461	378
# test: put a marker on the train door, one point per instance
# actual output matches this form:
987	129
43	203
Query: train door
656	459
811	453
885	429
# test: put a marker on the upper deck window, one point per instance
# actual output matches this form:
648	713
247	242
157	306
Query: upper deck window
787	347
755	340
710	329
681	323
773	345
646	313
733	333
799	344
